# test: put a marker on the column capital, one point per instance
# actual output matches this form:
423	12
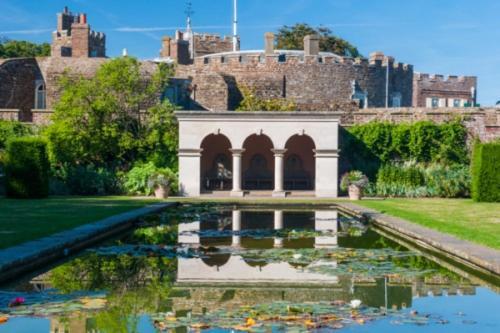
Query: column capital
279	152
190	152
327	153
237	151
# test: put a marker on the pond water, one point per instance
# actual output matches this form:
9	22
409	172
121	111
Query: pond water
223	269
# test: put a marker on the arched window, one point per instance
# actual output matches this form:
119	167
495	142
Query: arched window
40	96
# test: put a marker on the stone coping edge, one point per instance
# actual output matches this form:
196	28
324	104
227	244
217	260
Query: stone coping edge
473	255
32	255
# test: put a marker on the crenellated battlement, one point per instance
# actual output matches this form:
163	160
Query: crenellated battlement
443	78
290	58
213	38
97	36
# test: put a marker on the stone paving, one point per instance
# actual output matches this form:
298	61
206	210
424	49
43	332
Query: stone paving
463	251
31	255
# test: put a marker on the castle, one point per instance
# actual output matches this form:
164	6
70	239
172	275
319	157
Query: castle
210	74
74	38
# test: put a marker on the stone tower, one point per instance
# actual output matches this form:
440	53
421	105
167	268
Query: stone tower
74	38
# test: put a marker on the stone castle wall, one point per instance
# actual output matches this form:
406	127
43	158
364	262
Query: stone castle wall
482	123
313	82
18	78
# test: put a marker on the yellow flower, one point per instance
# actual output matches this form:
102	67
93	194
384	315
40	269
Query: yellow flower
250	322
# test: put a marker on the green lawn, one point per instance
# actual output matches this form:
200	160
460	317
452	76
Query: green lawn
476	222
24	220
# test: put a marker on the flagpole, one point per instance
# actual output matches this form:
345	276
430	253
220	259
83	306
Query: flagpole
235	25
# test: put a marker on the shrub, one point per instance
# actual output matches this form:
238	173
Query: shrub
12	129
485	172
27	168
400	180
447	181
137	180
422	180
85	180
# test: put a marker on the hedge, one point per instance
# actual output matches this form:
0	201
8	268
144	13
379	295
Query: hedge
13	129
367	147
27	168
486	172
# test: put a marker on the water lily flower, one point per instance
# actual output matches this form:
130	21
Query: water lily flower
297	256
17	301
355	303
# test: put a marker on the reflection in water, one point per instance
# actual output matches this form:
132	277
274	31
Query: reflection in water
225	278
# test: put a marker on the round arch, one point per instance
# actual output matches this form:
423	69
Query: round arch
300	164
216	163
258	163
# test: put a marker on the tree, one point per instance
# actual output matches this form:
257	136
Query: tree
114	119
21	48
251	102
292	38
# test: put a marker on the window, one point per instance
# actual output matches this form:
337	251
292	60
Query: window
457	103
282	58
396	100
359	95
435	102
40	96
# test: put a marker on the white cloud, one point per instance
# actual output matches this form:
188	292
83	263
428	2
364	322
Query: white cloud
25	32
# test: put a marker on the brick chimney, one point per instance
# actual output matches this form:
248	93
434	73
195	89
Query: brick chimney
166	47
311	45
269	43
80	32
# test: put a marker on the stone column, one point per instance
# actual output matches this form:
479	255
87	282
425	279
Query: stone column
327	173
189	172
279	172
278	225
237	172
236	227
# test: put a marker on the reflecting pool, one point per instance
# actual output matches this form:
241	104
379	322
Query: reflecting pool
221	268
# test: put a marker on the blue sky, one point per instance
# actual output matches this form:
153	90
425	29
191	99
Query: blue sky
459	37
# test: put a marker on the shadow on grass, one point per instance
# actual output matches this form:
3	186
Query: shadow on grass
25	220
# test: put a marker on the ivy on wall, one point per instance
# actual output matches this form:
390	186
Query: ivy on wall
367	147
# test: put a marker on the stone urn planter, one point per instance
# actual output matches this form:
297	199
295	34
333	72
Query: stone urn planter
160	183
353	183
355	193
162	192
